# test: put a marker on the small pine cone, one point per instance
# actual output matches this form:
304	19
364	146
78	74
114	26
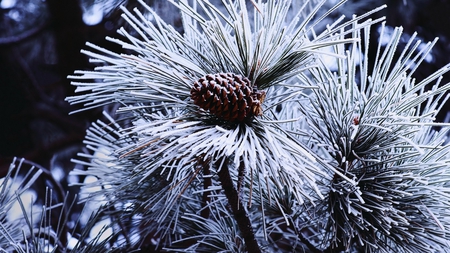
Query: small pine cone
228	96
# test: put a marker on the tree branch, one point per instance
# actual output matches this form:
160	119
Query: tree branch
240	215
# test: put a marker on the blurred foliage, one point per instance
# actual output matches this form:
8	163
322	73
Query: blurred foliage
19	17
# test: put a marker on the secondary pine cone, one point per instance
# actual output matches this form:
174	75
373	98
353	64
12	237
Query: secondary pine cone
228	96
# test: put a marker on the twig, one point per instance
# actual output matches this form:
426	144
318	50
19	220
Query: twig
240	215
206	184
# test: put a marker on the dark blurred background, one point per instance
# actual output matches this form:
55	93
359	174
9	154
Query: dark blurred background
40	43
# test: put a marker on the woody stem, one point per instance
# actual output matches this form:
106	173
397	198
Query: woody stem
239	213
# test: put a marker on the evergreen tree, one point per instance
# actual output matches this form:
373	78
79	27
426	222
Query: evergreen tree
263	127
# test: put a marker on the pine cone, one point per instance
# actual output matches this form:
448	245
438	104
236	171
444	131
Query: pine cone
228	96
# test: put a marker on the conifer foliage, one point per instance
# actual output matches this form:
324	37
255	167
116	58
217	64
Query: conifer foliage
239	135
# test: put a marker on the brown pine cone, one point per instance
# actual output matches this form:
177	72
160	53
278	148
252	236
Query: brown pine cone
229	96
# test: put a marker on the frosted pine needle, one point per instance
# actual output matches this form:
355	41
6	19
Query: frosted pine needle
377	128
184	125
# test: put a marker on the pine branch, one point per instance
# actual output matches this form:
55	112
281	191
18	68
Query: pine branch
373	127
207	182
212	91
238	209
